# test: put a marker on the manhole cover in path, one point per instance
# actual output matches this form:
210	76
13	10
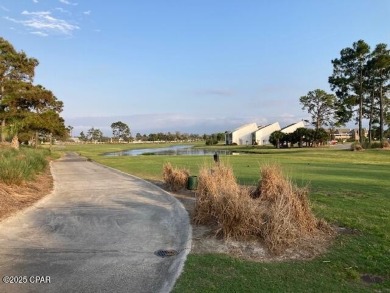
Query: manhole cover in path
166	252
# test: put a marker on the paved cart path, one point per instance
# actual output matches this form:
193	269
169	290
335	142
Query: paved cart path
97	232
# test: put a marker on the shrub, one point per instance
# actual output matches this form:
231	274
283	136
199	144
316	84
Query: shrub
211	141
175	178
276	212
356	146
375	145
385	144
18	166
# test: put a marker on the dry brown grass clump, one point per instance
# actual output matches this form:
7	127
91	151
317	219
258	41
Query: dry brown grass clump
287	214
14	198
356	146
175	178
385	144
277	212
221	201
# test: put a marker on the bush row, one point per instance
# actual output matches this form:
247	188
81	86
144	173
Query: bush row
357	146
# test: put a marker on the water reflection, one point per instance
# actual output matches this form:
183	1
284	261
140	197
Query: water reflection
175	150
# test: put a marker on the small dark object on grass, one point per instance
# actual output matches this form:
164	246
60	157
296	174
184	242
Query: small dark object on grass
216	157
371	279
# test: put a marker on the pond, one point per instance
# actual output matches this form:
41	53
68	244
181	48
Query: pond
175	150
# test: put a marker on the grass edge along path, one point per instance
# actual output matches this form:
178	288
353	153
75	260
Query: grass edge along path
349	189
24	178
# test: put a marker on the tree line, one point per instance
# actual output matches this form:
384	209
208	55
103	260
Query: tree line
361	84
301	136
27	111
121	133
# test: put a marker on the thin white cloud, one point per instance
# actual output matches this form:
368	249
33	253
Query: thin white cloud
41	34
62	10
4	8
66	2
87	12
35	1
45	23
25	12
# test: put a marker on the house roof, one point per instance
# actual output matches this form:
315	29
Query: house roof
292	125
288	126
342	130
264	127
242	126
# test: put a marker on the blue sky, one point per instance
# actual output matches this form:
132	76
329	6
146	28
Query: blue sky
193	66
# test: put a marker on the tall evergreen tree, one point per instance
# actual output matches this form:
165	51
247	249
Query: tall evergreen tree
320	105
379	67
348	81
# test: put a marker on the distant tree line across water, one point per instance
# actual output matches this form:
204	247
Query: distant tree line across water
121	133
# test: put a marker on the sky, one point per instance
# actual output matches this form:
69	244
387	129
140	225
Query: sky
197	66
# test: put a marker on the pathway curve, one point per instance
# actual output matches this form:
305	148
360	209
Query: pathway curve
97	232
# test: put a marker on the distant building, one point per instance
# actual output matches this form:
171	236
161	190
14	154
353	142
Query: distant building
292	127
343	133
261	135
250	134
241	135
346	133
74	139
355	133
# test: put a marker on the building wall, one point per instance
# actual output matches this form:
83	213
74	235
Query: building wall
261	136
243	139
242	135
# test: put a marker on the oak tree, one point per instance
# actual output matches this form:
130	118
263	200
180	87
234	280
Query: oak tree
14	67
24	106
120	130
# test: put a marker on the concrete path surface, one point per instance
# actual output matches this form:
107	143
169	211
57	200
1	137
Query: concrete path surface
97	232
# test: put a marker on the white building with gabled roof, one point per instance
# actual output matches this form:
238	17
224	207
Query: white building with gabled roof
262	134
292	127
241	135
250	133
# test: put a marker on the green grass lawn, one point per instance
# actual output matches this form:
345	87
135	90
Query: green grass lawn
349	189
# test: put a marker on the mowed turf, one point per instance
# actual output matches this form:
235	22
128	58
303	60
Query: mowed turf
348	189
